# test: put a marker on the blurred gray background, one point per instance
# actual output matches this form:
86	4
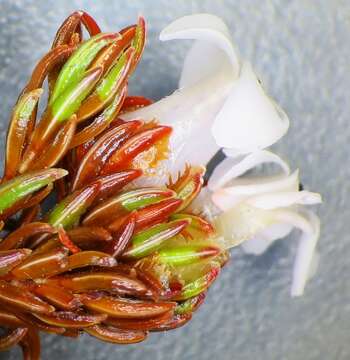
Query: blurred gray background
301	48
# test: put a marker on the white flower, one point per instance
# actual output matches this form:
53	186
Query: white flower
256	211
220	102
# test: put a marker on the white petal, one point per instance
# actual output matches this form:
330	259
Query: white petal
195	69
264	239
243	188
303	267
309	224
260	228
249	119
284	199
190	112
314	265
242	223
231	168
213	50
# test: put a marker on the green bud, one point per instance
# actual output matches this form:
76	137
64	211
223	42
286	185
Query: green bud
21	186
74	69
68	212
146	242
188	254
69	101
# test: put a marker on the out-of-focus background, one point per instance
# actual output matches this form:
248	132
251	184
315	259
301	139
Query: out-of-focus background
301	49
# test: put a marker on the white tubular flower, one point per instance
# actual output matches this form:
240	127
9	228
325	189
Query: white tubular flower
220	102
257	211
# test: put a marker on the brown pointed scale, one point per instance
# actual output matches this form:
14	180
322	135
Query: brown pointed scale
22	300
125	308
90	237
101	122
132	103
67	28
42	265
122	236
107	57
112	184
31	345
12	338
139	143
55	57
90	23
69	319
120	205
155	213
175	322
101	151
90	258
100	280
32	322
141	324
188	184
58	147
18	130
116	336
18	237
58	296
10	320
11	258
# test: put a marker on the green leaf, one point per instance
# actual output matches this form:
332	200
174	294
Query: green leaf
21	186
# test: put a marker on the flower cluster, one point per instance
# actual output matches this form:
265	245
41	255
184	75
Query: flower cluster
221	104
134	236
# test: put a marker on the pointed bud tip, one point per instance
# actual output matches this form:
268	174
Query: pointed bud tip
183	222
37	92
141	20
59	173
210	251
94	72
